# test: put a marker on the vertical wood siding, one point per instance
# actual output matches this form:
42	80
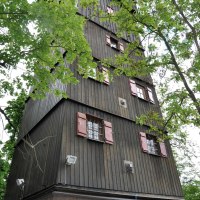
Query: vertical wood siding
101	165
111	27
38	168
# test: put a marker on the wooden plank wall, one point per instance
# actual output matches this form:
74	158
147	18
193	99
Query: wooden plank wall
25	162
90	91
111	27
101	165
98	166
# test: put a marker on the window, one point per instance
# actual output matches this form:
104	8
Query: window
110	10
95	72
114	43
94	128
141	91
150	145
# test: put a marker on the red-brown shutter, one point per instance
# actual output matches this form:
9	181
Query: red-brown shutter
108	42
143	141
133	87
150	94
81	124
106	76
121	47
163	150
108	132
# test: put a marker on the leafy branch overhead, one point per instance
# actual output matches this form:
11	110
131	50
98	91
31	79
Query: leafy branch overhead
170	31
34	35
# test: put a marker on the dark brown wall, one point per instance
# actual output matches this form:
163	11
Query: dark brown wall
38	165
92	92
101	165
111	27
98	166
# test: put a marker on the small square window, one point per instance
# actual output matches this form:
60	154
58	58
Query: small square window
94	128
109	10
153	146
113	43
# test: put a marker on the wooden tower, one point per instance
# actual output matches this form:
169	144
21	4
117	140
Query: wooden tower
89	146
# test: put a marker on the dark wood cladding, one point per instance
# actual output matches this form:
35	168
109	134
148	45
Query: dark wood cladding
108	25
37	166
95	94
35	111
101	165
98	165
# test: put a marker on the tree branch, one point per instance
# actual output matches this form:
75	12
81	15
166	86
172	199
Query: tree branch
190	92
7	118
188	23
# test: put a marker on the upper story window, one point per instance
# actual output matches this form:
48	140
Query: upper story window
110	10
141	91
94	128
150	145
114	43
96	71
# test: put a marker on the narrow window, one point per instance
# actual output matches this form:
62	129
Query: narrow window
110	10
141	92
94	128
153	145
113	43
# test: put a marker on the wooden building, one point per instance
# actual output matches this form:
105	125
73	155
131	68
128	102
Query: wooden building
96	127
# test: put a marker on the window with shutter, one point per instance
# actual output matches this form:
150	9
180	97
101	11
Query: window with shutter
94	128
150	145
141	91
114	43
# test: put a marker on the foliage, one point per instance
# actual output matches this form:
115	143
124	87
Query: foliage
14	111
169	30
192	190
36	35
